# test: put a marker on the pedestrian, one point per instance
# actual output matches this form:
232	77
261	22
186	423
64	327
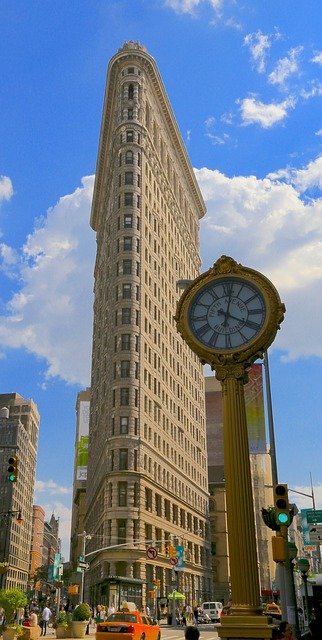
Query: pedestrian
33	619
195	615
192	633
147	611
46	615
285	631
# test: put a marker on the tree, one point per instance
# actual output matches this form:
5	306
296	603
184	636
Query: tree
10	601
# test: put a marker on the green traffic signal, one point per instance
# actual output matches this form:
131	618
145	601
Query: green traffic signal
12	469
282	508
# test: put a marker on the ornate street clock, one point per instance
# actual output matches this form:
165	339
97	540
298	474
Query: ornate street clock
230	313
229	316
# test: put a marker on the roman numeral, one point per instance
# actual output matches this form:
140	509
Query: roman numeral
228	344
253	312
227	288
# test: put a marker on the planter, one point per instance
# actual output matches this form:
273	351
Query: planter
64	631
79	628
10	633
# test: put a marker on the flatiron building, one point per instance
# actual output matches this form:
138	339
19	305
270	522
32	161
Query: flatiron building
147	485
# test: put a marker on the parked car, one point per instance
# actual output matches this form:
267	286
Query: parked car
128	625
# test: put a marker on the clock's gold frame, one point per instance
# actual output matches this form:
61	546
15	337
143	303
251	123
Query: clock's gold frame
254	348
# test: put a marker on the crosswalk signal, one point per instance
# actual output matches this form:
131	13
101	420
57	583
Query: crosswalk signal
12	469
282	507
173	552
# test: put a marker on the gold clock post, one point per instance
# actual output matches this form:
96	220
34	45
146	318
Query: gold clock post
216	305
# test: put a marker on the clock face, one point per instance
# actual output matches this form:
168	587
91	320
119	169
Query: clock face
227	313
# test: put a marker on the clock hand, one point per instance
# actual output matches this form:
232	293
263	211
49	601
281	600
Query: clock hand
221	312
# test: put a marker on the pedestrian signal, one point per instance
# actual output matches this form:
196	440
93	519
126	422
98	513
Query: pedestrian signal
173	552
282	507
279	549
12	469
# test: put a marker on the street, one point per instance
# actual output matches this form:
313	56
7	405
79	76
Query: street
207	632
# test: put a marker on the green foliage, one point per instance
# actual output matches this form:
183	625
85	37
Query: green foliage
10	600
82	613
63	619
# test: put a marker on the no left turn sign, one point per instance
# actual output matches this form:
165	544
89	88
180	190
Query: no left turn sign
151	553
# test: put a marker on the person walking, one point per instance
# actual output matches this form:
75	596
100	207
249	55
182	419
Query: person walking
285	631
46	615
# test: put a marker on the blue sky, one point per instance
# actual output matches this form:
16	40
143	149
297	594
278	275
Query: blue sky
245	83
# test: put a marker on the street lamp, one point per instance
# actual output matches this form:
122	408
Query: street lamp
304	565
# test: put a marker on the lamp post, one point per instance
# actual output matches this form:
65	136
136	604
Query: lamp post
304	565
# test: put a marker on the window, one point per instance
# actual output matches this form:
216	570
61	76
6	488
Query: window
128	199
126	291
125	341
124	424
129	157
158	504
129	135
130	114
130	70
148	499
128	221
124	396
127	267
127	243
123	459
128	178
122	493
121	531
131	92
126	315
125	368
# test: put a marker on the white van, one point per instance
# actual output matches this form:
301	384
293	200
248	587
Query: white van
213	609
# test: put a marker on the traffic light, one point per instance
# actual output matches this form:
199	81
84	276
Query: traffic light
158	583
282	507
173	552
12	469
167	551
155	583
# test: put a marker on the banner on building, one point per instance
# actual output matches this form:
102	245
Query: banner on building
82	443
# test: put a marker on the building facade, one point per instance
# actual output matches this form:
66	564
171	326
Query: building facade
79	482
147	485
19	426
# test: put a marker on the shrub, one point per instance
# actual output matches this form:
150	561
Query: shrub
82	613
10	600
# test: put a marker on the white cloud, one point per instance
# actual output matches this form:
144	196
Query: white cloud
314	90
51	487
51	314
266	115
189	6
258	44
269	225
6	188
317	59
286	67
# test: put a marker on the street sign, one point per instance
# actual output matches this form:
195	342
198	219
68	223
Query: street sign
83	565
174	561
81	558
180	557
314	515
151	553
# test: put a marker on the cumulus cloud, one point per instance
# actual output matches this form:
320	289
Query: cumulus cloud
286	67
266	115
50	315
51	487
259	45
6	188
271	225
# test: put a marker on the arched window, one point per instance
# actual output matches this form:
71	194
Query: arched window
129	157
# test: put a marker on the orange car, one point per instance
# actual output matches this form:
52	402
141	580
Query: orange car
128	625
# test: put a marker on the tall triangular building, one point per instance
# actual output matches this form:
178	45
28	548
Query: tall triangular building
147	486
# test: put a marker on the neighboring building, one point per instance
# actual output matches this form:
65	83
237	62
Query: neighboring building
261	472
147	483
51	541
38	524
19	426
80	476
